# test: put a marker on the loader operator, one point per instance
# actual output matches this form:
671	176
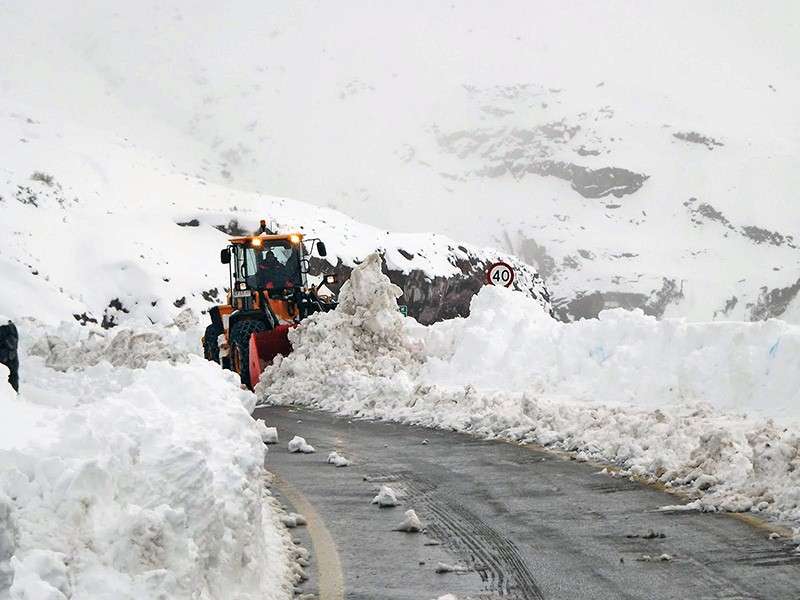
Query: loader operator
271	273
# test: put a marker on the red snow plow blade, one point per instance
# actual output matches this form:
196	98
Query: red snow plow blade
264	347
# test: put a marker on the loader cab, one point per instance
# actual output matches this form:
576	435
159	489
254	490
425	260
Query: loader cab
269	272
272	264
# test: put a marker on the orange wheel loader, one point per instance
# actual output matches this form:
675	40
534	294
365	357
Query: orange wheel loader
269	293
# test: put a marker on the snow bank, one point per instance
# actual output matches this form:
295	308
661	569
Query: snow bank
123	348
116	483
711	408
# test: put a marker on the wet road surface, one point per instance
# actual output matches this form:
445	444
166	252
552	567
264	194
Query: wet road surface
528	524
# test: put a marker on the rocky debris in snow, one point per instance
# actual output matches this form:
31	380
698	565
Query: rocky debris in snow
299	444
337	460
424	442
774	535
411	523
448	568
386	497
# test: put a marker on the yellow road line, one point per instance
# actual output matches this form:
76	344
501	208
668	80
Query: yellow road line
329	567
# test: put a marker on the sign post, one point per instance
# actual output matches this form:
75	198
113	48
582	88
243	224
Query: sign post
500	273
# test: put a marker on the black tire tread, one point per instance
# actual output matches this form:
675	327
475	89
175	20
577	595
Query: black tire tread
210	345
240	337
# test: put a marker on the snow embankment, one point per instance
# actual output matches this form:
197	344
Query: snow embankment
713	409
118	482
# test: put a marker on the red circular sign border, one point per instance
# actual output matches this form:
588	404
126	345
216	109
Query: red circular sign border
500	263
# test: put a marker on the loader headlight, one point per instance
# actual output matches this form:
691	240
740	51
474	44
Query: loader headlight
294	238
242	285
256	242
330	279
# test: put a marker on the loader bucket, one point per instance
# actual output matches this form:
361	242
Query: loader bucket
264	347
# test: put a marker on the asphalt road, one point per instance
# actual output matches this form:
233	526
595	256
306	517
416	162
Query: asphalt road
528	524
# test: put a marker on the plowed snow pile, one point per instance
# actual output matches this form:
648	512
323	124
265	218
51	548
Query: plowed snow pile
712	408
122	483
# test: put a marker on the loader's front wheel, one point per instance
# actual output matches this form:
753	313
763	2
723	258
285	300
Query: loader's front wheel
240	346
210	345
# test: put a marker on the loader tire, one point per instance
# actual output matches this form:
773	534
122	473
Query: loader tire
210	345
240	346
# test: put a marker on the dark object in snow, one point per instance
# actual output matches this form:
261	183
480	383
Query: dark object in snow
650	535
9	339
45	178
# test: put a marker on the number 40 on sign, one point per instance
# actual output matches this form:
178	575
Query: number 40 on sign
500	273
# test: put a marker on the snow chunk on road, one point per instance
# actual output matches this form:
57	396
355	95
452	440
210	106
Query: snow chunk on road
386	497
299	444
411	523
337	460
269	435
664	400
292	520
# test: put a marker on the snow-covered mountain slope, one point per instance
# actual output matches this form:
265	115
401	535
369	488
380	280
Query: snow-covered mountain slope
637	155
95	227
100	223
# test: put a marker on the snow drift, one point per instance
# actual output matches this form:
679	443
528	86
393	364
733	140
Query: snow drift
711	408
118	482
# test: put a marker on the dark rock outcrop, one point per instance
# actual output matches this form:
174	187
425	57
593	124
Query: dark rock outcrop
9	339
431	299
703	211
698	138
588	305
232	228
522	151
773	303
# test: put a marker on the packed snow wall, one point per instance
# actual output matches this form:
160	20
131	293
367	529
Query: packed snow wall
712	408
116	483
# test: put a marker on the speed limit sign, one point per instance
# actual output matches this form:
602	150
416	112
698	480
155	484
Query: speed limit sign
500	273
